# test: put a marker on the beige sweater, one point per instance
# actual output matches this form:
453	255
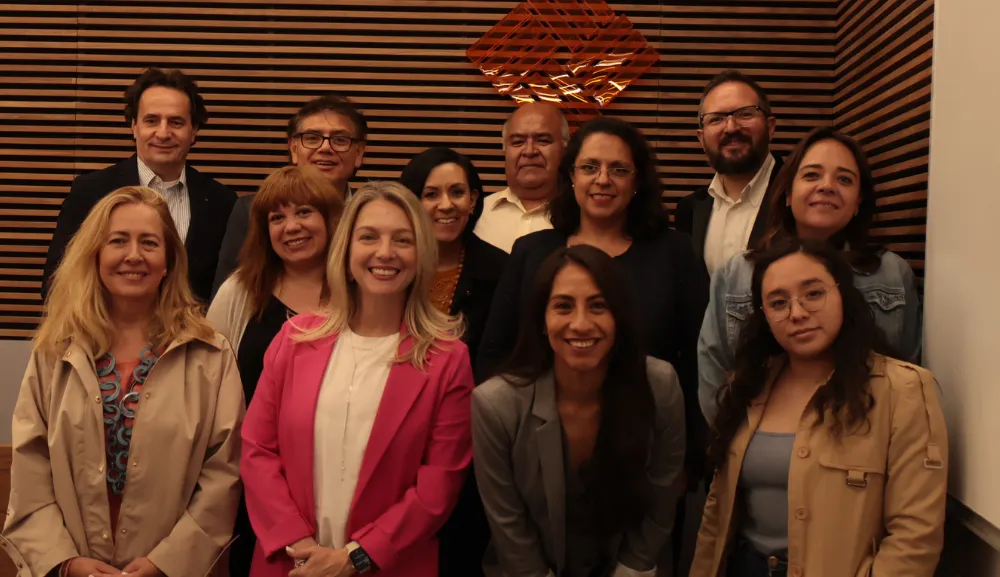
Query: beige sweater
229	313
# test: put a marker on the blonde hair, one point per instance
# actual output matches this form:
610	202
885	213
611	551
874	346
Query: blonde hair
261	267
77	303
423	322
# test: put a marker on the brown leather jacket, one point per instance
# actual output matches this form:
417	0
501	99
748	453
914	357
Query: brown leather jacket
871	504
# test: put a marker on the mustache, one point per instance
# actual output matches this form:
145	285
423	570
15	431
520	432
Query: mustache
735	138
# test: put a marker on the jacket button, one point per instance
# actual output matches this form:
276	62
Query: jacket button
124	532
97	399
803	453
104	535
100	469
800	514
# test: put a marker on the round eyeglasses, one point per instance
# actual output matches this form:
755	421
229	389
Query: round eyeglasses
779	308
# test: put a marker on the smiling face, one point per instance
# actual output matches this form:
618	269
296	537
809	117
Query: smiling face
735	146
604	178
803	305
162	128
533	149
338	167
578	322
826	192
133	260
449	201
383	251
298	234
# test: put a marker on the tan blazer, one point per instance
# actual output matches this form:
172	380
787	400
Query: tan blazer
519	465
183	483
872	504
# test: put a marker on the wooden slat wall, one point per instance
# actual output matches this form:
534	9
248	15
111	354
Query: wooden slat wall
64	66
883	98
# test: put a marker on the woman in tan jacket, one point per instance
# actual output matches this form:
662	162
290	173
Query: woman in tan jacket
126	438
831	459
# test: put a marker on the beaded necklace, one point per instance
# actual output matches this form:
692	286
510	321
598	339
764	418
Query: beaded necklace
119	411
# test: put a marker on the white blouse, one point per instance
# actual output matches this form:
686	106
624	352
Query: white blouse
345	412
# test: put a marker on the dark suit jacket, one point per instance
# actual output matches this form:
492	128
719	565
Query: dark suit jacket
236	233
211	204
694	211
481	272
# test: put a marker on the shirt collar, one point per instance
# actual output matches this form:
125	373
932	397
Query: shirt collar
507	196
755	189
146	174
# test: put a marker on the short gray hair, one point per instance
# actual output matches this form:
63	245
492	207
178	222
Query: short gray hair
563	129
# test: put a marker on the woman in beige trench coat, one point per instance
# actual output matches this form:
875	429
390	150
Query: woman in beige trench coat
126	436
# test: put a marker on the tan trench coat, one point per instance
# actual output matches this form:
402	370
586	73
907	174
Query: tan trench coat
183	484
873	504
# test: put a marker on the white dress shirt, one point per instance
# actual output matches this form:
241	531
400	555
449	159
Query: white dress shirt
176	193
345	412
505	220
732	221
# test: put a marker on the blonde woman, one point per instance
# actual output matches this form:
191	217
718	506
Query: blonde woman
126	431
358	438
282	273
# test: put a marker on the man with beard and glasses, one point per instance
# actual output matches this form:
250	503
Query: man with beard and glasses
735	126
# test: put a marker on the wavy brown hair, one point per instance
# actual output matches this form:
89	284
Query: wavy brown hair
617	472
260	266
863	253
845	396
78	303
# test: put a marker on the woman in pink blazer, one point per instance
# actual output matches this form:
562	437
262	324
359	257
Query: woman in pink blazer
358	438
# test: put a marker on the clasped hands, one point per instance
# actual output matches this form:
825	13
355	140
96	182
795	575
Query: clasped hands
311	560
86	567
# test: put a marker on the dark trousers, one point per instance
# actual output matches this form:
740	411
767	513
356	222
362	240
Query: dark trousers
465	535
745	561
241	551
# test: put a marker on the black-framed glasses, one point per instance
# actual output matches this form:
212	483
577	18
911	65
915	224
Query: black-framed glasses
743	116
779	308
338	142
595	170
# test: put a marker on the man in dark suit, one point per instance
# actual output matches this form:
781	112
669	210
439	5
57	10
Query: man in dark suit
166	112
329	133
735	126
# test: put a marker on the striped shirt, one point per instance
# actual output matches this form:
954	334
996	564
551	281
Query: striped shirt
178	200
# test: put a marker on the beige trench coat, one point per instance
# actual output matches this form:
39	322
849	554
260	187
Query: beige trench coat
183	486
872	504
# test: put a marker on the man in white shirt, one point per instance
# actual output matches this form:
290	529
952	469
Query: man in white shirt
534	138
166	112
735	126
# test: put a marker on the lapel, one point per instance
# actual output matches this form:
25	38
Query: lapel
401	390
198	196
79	357
699	226
127	173
550	453
760	225
309	368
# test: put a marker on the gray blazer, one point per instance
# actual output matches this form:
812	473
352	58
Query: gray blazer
519	466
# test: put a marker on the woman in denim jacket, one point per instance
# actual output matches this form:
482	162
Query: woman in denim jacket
825	191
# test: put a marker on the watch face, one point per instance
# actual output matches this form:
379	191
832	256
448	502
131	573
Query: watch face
361	561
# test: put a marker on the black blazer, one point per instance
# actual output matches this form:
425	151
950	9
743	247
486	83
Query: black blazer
694	211
481	270
232	242
211	204
669	289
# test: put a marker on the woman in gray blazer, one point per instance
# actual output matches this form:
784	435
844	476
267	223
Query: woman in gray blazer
579	441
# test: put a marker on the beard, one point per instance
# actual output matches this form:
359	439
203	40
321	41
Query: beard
743	164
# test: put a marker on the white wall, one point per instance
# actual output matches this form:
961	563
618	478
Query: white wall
13	360
961	312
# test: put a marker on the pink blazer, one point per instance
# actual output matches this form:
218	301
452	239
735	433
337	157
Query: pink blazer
411	474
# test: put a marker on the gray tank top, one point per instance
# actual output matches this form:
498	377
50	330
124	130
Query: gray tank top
764	490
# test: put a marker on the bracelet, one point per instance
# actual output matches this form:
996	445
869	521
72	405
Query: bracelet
64	569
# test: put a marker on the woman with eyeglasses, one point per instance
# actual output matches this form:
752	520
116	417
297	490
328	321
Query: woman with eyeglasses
826	192
610	198
831	458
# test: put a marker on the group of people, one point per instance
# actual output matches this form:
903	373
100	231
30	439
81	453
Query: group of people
414	378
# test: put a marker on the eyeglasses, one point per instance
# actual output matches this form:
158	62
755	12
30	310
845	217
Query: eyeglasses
338	142
743	116
778	308
594	170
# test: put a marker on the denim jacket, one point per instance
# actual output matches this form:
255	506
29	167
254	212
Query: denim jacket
891	293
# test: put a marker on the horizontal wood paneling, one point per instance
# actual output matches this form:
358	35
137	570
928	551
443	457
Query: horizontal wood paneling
883	95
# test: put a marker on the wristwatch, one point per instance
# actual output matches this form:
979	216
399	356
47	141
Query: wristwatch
359	558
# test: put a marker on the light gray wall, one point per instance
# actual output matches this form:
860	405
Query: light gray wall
13	360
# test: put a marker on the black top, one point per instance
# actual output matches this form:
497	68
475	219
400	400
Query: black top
669	286
587	554
256	338
695	210
211	204
481	270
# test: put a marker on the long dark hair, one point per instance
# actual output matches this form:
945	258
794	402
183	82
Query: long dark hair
617	471
415	174
863	254
846	396
646	216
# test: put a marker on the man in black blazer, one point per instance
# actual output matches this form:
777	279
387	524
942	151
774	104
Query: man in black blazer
165	112
329	133
735	126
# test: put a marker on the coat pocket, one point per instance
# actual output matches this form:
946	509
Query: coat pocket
738	309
